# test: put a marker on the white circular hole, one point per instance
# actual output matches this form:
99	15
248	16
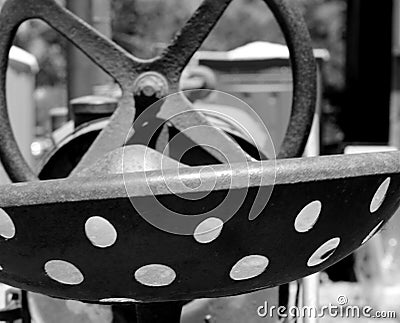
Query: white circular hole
307	217
118	300
208	230
63	272
155	275
379	196
372	233
7	228
324	252
100	232
249	267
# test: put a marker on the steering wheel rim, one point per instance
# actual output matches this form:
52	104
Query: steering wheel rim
116	62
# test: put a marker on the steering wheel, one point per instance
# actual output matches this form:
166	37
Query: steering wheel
88	237
161	74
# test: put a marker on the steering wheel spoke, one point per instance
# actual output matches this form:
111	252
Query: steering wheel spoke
190	38
178	110
109	56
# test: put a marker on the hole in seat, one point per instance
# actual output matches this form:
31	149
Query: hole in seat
155	275
208	230
63	272
307	217
100	232
323	253
373	232
327	254
7	227
379	196
249	267
118	300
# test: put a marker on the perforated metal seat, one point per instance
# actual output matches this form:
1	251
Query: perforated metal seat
99	243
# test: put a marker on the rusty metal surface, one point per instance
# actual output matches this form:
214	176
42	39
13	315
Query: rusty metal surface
50	218
281	172
140	159
184	117
189	39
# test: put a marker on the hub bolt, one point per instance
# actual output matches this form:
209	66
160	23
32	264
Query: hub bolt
151	84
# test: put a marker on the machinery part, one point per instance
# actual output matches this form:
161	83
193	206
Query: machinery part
198	77
16	307
68	152
151	84
125	68
159	312
88	108
11	315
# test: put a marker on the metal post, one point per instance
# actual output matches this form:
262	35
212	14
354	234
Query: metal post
79	67
311	295
365	118
169	312
101	20
83	74
395	96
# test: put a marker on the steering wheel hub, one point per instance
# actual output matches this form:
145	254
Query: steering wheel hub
151	84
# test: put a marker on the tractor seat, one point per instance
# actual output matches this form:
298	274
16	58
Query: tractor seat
161	232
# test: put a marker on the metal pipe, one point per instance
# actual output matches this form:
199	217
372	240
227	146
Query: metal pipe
101	20
79	67
365	115
83	74
311	295
395	95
